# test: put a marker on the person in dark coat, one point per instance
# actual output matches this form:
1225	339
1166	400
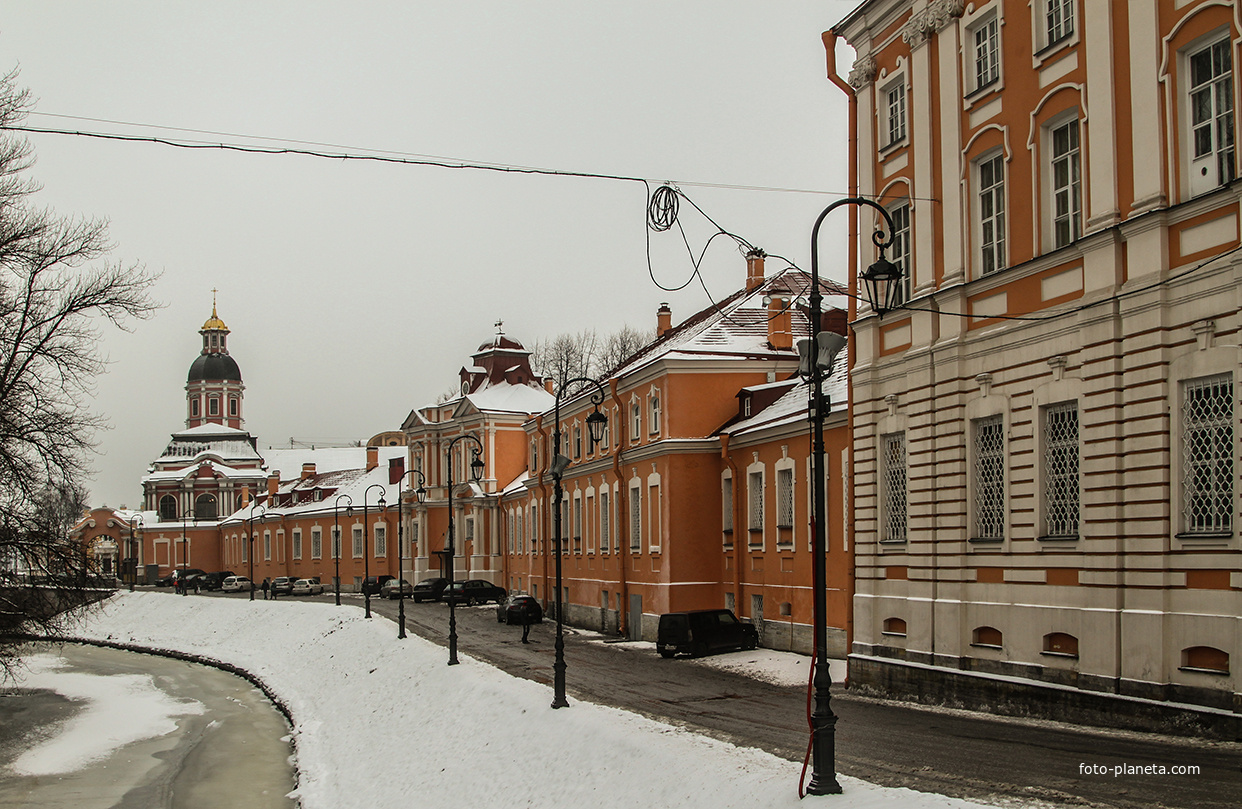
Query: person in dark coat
264	586
525	625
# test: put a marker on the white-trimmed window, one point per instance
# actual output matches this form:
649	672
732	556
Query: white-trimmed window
577	524
1210	85
895	111
990	176
655	532
534	528
358	542
1058	21
653	421
604	517
893	492
316	543
587	522
245	549
636	420
267	546
1207	455
726	506
381	540
1061	470
785	497
988	438
521	530
297	543
984	41
577	441
901	254
336	542
636	518
754	506
1066	182
213	406
510	532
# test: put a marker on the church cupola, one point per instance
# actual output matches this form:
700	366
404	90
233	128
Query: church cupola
214	385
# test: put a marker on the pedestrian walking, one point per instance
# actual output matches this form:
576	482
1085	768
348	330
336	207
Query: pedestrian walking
525	625
266	584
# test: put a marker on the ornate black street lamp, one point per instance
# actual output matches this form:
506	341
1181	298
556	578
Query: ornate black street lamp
131	558
336	538
250	540
596	423
366	545
883	280
421	493
476	474
185	549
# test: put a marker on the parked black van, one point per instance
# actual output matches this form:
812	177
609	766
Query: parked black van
702	632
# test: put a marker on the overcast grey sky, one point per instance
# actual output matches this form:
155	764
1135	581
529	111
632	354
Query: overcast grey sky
354	291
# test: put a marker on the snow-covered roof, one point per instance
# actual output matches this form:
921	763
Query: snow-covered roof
792	407
507	398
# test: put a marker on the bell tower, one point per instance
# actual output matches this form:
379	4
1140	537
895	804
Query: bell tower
213	388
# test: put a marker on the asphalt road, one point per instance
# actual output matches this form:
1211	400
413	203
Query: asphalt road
957	753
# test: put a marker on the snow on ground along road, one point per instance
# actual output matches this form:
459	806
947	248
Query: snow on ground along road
385	723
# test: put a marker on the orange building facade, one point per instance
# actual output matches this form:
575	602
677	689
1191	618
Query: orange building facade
1046	435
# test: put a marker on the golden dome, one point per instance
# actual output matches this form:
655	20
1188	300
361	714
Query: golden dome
214	323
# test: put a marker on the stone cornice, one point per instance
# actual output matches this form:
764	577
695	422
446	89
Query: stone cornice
928	22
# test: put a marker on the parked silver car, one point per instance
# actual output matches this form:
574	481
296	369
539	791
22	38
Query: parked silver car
307	587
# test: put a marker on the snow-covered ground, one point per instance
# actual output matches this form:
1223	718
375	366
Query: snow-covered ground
385	723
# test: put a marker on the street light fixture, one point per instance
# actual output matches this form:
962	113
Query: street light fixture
366	546
336	538
131	560
883	282
185	549
596	422
476	474
421	493
250	540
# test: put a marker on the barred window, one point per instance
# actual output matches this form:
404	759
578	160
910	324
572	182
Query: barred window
989	441
509	530
336	543
577	523
604	517
726	501
521	532
784	498
357	541
636	521
297	543
316	543
381	540
1061	470
754	487
1207	455
893	459
267	546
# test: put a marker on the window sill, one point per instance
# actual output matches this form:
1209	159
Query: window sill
982	91
890	149
1196	670
1059	538
894	634
1060	654
1204	535
986	540
990	646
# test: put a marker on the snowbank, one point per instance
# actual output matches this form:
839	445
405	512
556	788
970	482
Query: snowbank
386	723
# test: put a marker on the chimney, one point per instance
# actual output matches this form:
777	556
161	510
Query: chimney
245	495
396	469
833	320
273	483
780	322
548	385
664	320
308	471
754	269
372	458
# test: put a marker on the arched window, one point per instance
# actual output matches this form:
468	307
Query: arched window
895	626
986	636
205	507
1059	643
168	508
1206	658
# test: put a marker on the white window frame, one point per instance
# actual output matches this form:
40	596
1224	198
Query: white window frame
577	522
267	546
1222	465
297	543
998	218
336	542
1071	190
894	117
605	506
989	505
901	253
786	498
894	488
636	419
984	54
726	507
756	520
1210	169
379	539
653	413
588	510
636	516
1060	472
358	539
316	542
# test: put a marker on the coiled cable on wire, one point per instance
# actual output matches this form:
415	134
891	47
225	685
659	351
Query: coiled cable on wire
662	209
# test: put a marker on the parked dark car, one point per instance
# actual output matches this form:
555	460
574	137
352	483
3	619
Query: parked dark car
429	589
702	632
212	581
474	591
283	585
513	608
394	589
373	584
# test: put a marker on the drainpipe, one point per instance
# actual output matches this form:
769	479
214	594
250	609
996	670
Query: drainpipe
543	498
623	508
737	562
830	48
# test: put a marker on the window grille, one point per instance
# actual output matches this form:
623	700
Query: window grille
1207	455
521	532
604	517
754	487
1061	470
1060	18
1066	185
897	113
987	53
267	546
297	543
784	498
894	471
316	543
357	542
990	478
381	540
636	522
509	533
992	213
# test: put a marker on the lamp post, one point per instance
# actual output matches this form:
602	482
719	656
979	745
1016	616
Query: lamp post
336	538
131	559
596	422
421	493
250	540
185	550
366	546
882	281
476	474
